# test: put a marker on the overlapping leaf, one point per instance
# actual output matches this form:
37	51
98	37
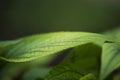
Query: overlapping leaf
33	47
110	59
36	74
83	60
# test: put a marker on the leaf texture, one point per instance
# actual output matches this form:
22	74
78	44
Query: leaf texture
7	43
75	63
33	47
88	77
64	72
110	59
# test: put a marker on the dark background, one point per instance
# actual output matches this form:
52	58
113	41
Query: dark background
20	18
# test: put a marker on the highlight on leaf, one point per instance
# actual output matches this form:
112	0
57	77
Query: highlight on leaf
94	56
33	47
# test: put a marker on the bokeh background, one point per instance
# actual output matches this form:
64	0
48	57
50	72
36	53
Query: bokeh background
20	18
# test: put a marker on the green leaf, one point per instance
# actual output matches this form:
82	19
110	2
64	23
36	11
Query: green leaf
33	47
75	63
115	34
13	69
36	73
88	77
110	59
7	43
4	44
64	72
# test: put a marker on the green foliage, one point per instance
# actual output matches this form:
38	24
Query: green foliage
88	77
74	66
36	73
92	57
33	47
10	70
110	58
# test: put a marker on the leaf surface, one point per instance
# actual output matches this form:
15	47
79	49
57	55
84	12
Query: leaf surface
7	43
33	47
36	73
83	60
110	59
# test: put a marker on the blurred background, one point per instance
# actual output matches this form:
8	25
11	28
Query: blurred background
20	18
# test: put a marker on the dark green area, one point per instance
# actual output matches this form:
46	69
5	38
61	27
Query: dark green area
25	17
